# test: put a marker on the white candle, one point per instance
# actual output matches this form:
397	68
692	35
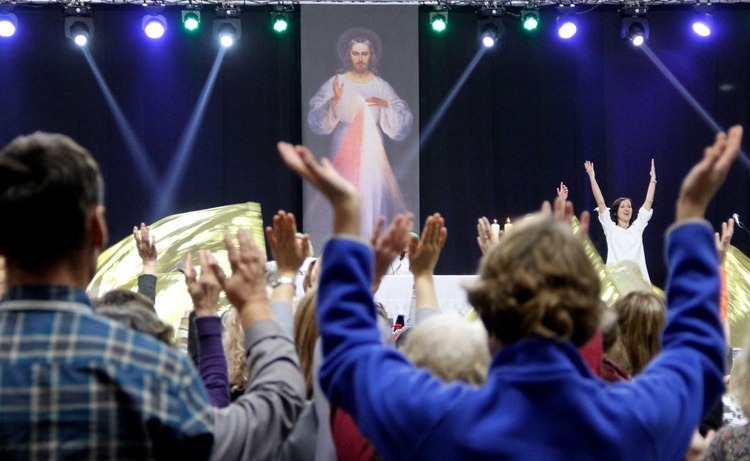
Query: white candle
495	229
508	225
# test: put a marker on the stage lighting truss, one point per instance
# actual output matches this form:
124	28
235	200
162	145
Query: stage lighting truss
154	25
439	18
8	24
530	19
227	26
280	17
191	19
490	26
79	26
634	25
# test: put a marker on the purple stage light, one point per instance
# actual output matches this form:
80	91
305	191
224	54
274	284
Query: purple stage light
702	25
154	26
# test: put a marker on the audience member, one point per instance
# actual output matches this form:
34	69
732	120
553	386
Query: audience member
111	392
732	443
538	296
135	311
450	347
641	317
622	228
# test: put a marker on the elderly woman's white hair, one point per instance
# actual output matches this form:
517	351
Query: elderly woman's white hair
451	347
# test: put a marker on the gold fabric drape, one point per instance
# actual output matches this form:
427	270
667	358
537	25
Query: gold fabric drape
176	236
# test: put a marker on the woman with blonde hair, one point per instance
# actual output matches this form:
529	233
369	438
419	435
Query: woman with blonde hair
641	317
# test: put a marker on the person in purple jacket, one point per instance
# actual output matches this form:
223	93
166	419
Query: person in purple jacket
537	295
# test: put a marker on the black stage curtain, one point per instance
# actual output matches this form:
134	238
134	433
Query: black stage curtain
532	111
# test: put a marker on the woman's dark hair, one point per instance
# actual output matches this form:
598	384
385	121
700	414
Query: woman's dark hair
616	206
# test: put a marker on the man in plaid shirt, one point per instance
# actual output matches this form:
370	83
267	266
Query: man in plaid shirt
77	386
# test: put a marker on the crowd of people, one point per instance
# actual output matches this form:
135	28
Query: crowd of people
548	373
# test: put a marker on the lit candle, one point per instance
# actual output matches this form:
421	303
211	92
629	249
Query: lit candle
495	229
508	225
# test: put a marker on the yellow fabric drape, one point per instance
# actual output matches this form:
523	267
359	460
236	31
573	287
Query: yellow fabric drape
176	236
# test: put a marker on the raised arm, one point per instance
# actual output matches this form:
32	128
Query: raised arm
212	363
687	378
648	203
289	254
388	246
424	254
600	203
255	425
146	245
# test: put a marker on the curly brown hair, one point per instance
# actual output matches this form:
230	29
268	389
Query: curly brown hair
538	282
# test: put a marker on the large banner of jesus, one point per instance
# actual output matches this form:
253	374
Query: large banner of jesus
360	99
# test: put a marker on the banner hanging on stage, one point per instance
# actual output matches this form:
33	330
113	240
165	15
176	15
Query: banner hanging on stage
360	99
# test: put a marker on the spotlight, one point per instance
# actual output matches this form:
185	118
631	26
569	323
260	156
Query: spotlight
566	26
280	17
8	24
79	29
439	19
702	24
227	26
530	19
490	26
633	25
191	20
154	25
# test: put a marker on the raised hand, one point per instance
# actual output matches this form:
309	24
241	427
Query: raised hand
705	178
323	176
653	171
425	252
562	191
723	240
563	212
486	239
338	91
391	244
146	245
288	253
204	292
246	287
589	165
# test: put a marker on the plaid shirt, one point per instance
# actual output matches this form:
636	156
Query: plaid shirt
77	386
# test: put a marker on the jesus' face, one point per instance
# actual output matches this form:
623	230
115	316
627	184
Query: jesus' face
360	57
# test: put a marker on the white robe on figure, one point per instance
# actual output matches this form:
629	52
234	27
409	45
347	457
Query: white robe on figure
357	146
626	244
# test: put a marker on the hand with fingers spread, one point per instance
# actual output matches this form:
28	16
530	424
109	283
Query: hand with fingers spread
388	246
705	178
146	245
288	251
323	176
563	212
723	240
562	191
424	253
486	239
204	291
246	287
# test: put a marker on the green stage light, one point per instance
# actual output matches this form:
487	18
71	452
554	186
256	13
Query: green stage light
530	20
191	20
439	21
280	22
